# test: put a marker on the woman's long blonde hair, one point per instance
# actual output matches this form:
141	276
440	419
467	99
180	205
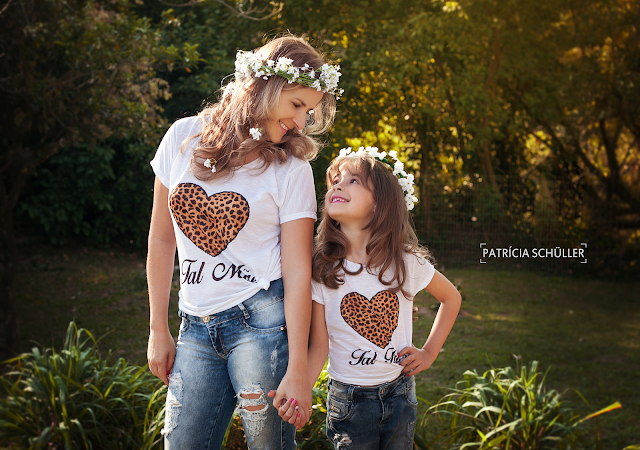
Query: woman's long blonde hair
248	104
391	230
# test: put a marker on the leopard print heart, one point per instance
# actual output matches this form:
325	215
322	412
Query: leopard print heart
211	223
375	319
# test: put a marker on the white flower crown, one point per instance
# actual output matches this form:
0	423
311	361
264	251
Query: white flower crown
324	79
405	180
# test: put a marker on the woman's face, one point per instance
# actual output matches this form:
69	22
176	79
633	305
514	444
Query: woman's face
291	112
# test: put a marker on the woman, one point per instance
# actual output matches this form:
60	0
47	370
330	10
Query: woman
234	193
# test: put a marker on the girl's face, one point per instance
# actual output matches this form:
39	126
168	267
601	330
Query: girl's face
348	201
291	112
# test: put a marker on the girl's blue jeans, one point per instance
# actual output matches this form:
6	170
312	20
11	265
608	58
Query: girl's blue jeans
237	355
367	418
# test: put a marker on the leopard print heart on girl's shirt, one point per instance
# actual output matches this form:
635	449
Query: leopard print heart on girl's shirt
210	222
375	319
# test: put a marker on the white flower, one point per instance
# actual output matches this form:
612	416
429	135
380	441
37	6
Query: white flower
210	164
345	151
250	65
228	89
255	133
283	64
393	154
398	167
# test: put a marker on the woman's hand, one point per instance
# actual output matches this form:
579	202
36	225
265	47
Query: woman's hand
161	352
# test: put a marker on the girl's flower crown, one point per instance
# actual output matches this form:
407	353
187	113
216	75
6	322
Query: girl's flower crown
405	180
324	79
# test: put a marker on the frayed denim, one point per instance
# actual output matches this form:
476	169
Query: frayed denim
235	356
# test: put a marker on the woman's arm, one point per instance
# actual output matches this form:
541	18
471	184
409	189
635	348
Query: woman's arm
296	239
161	349
446	293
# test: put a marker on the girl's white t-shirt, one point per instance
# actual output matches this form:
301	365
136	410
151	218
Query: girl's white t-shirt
368	325
228	229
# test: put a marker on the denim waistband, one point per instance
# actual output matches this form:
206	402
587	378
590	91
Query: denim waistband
259	300
351	391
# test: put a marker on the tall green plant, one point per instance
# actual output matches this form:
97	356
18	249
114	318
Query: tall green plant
506	409
75	399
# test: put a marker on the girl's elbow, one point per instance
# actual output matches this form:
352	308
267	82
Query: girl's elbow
454	299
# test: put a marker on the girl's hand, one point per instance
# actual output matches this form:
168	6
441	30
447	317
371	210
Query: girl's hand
289	411
416	360
161	352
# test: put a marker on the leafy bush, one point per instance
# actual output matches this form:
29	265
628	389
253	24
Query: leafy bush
101	192
504	409
75	399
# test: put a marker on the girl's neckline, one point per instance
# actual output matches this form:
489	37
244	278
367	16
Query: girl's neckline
353	266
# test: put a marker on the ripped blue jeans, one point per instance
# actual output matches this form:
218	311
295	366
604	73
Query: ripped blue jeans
368	418
237	355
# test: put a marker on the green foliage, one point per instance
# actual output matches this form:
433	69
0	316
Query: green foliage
75	399
99	192
506	409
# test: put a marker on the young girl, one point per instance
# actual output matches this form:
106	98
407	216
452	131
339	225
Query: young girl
367	267
234	193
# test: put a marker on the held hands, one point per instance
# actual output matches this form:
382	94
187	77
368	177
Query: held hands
417	359
293	400
161	352
291	412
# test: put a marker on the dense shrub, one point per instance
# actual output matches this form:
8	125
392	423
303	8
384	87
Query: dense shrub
99	192
75	399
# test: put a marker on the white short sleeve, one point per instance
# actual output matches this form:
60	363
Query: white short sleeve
300	194
316	293
170	146
420	272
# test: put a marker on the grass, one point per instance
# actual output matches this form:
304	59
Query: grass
587	332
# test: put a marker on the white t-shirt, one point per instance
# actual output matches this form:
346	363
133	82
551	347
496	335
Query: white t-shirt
368	325
228	229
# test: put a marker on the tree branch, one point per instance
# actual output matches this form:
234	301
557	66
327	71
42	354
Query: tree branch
4	8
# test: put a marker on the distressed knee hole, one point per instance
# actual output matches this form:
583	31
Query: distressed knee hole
173	404
250	395
252	407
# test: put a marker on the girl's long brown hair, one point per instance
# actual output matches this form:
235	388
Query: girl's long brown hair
250	103
391	231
